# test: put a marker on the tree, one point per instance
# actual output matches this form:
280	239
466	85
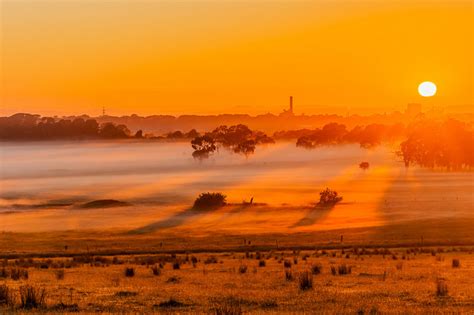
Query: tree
329	197
203	146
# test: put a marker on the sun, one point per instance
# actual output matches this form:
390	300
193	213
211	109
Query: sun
427	89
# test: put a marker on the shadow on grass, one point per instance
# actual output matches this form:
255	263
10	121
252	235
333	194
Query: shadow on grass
172	221
312	216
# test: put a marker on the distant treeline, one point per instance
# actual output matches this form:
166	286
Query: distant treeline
448	144
425	142
34	127
335	133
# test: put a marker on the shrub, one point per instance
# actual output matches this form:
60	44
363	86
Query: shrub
316	269
129	272
242	269
59	274
156	270
456	263
344	269
288	275
229	306
209	201
17	274
329	197
170	303
32	297
173	279
305	280
441	287
6	296
262	263
210	260
176	265
287	264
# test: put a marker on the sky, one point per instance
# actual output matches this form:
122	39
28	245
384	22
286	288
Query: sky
63	57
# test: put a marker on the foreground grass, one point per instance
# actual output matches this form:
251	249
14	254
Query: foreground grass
400	280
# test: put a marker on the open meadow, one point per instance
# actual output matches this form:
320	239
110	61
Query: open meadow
411	280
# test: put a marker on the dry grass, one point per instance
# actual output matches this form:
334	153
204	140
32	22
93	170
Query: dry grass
221	288
32	297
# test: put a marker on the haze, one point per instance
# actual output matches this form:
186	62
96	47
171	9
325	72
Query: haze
207	57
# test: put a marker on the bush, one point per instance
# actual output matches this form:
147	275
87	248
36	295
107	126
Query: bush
6	296
209	201
129	272
316	269
344	269
456	263
242	269
170	303
262	263
59	274
287	264
176	265
305	281
288	275
17	274
441	287
329	197
156	270
210	260
32	297
229	306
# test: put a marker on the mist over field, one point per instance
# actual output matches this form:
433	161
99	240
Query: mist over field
43	185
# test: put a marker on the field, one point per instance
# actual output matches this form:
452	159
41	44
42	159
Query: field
401	280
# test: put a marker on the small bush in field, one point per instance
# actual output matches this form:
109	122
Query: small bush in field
156	270
170	303
288	275
17	274
129	272
59	274
6	296
329	197
305	281
441	287
262	263
316	269
344	269
229	306
176	265
209	201
32	297
210	260
456	263
242	269
287	264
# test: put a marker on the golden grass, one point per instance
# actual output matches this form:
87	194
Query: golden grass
425	284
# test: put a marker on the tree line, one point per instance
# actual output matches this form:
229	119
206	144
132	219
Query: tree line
35	127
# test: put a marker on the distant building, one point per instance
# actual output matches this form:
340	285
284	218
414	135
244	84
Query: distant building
413	110
288	112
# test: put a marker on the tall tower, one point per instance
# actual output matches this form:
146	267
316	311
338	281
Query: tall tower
291	104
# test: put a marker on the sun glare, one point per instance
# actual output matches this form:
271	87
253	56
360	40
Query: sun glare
427	89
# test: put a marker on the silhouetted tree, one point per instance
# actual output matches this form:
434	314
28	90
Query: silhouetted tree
329	197
203	146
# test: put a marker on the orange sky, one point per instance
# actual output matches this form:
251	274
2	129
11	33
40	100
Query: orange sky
207	57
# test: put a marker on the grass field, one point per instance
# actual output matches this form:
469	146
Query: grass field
400	280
